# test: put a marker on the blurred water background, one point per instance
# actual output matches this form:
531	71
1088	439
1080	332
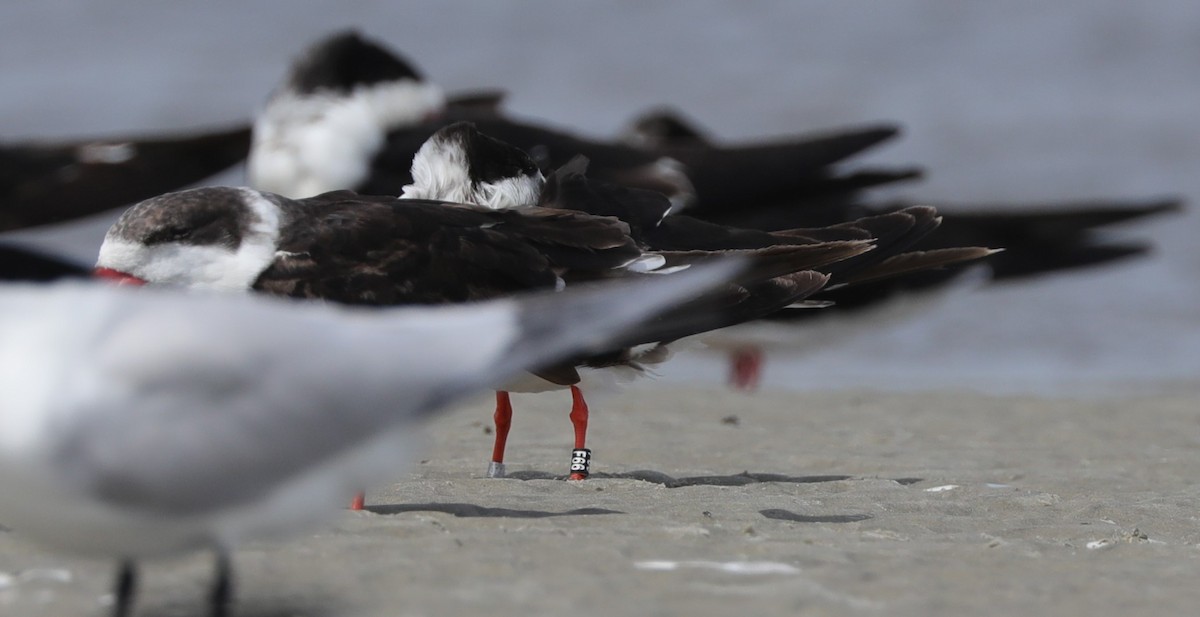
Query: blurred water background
1001	101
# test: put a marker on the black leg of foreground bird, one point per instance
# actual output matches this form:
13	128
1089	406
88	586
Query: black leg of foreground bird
581	457
503	419
125	586
222	590
746	368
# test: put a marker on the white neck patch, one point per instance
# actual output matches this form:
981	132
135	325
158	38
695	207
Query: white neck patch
309	144
439	171
202	267
518	192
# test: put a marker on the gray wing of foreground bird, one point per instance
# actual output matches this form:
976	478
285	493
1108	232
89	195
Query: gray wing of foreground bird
140	422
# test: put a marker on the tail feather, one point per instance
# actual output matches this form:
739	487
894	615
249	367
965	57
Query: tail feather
892	234
685	233
775	261
906	263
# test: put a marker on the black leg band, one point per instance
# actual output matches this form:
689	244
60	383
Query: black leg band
581	462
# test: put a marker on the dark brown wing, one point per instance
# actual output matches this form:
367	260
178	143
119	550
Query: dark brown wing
50	183
646	212
917	261
568	188
382	251
840	250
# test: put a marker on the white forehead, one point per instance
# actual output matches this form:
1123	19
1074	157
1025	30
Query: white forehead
440	171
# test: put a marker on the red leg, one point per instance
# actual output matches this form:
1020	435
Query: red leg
581	457
503	418
359	501
746	368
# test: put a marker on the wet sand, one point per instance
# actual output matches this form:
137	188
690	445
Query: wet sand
706	502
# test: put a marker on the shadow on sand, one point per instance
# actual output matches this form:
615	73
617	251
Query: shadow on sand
788	515
467	510
739	479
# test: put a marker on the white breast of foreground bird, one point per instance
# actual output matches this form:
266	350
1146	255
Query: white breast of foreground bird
152	426
139	422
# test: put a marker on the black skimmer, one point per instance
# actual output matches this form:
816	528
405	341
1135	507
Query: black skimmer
140	423
338	141
43	183
461	164
382	251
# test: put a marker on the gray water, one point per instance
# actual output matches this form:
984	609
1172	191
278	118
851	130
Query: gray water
1019	101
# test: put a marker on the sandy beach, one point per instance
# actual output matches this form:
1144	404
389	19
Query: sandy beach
708	502
934	501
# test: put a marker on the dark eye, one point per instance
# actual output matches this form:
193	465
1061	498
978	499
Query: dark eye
169	234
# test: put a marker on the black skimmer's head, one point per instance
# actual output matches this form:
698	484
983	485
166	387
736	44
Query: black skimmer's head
462	165
321	128
208	238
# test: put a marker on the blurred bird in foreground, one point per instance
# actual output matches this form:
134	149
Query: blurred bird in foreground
140	423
